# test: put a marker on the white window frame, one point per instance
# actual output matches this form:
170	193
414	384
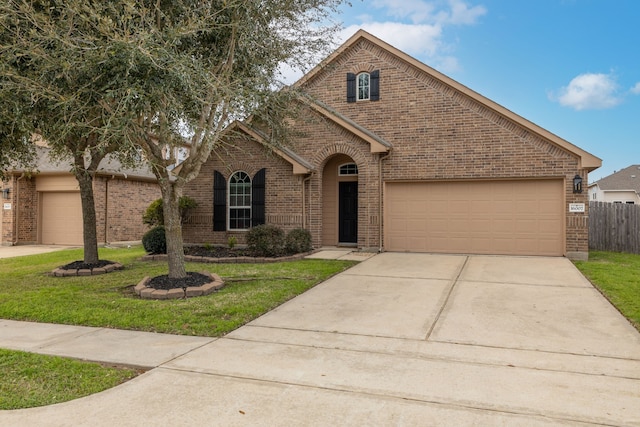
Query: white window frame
239	200
363	87
348	169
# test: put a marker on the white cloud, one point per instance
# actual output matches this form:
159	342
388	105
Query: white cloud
636	89
432	12
590	92
412	39
461	13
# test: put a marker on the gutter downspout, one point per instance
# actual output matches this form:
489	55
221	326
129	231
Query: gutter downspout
304	200
380	207
106	209
16	219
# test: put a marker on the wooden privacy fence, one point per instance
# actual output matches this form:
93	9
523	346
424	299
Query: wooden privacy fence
614	227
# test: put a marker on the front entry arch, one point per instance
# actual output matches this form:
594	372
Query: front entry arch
340	201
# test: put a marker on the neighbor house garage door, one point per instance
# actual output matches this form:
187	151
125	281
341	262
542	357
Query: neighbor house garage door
480	217
61	218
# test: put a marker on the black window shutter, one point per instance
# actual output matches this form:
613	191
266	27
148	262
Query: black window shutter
351	87
219	202
258	185
375	86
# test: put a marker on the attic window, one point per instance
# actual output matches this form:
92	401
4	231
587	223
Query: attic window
348	169
363	87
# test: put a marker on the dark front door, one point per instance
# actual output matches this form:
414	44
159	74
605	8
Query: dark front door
348	212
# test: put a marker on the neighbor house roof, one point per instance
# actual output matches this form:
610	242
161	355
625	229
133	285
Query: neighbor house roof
623	180
587	160
45	163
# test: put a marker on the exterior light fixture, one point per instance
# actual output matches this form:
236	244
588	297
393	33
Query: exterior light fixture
577	184
5	193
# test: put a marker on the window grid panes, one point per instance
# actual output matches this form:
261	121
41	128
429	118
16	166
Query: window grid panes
348	169
363	86
239	201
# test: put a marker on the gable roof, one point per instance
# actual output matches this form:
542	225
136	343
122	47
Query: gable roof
377	144
625	179
300	165
587	160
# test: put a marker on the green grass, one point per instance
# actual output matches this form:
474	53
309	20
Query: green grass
29	293
30	380
617	276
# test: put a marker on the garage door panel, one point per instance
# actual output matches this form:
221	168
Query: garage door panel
501	217
61	218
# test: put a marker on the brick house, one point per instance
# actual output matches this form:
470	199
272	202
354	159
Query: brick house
398	157
43	207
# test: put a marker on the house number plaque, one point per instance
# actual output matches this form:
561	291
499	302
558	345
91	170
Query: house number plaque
576	207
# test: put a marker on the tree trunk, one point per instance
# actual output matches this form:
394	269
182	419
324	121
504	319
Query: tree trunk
89	233
173	229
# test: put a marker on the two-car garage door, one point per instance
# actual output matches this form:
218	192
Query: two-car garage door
480	217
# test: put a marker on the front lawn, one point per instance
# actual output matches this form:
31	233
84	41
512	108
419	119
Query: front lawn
29	293
30	380
617	276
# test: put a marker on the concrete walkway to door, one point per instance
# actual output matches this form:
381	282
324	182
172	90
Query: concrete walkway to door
399	339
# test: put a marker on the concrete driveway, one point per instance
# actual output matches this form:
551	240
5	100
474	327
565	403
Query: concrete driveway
22	250
400	339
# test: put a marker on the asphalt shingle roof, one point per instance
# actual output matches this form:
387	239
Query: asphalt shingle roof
625	179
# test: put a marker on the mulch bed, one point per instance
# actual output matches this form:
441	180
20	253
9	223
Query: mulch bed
166	283
217	252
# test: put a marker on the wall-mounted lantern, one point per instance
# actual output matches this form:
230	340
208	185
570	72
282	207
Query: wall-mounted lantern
5	193
577	184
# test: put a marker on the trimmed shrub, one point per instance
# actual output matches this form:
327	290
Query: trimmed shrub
154	215
298	240
266	240
154	241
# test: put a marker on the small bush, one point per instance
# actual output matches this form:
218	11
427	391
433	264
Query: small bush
266	240
232	242
298	240
154	215
154	241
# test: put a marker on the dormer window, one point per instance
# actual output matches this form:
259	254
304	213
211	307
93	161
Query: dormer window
363	87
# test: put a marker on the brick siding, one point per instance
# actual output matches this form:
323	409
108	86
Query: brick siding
438	134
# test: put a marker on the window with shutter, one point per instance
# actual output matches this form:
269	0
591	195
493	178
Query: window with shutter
219	202
363	87
239	201
351	87
374	95
257	198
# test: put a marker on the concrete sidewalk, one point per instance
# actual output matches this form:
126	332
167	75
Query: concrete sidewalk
399	339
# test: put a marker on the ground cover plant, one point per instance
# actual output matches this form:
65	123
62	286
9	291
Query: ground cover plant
30	380
29	293
617	276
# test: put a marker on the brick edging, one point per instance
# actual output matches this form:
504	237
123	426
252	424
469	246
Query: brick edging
60	272
146	292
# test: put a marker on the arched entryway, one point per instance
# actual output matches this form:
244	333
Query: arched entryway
340	202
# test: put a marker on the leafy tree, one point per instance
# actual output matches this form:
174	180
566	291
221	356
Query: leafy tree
163	74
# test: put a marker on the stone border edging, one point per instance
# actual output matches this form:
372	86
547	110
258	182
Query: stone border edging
60	272
146	292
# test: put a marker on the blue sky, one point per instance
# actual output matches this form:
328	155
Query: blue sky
570	66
